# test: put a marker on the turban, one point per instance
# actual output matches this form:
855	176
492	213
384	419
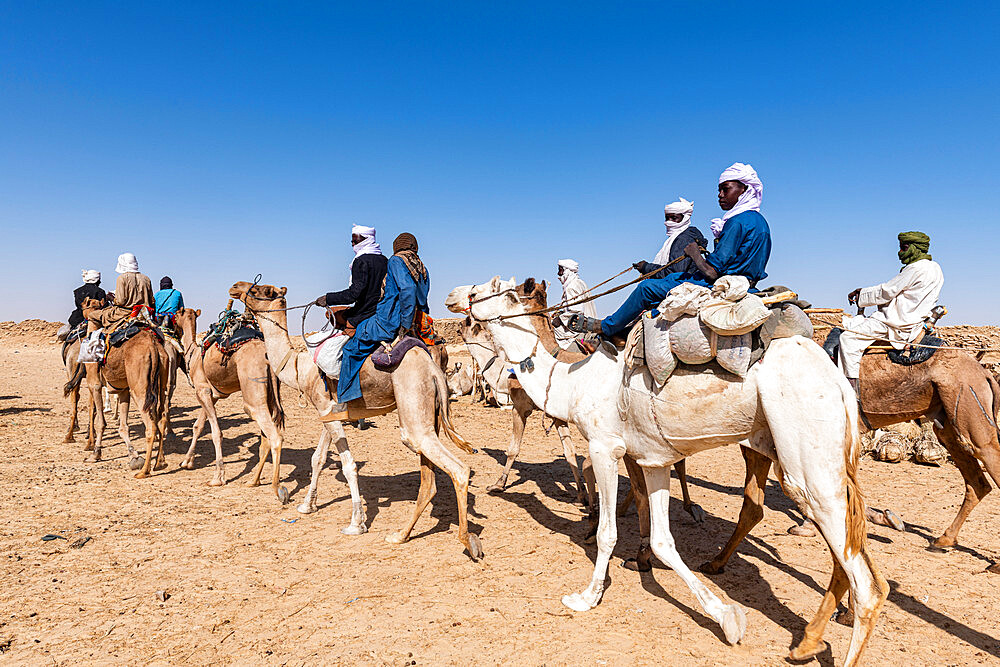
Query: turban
91	276
674	229
569	265
405	247
919	243
751	198
361	230
405	241
127	263
367	246
166	283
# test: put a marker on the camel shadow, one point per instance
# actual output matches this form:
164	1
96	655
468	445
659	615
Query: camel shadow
970	636
18	410
553	482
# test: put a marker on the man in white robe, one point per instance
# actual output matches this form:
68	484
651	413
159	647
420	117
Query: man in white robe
573	287
903	303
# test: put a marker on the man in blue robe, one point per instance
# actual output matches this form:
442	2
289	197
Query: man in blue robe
406	286
742	247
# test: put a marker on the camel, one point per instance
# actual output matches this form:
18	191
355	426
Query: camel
138	366
793	407
215	377
953	390
416	389
75	372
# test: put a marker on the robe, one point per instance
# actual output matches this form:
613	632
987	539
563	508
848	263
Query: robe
131	289
573	288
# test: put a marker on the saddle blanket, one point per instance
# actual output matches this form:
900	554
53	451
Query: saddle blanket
387	361
328	351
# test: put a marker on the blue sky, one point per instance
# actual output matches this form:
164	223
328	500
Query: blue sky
219	140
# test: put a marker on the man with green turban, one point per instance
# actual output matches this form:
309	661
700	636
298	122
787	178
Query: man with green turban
902	304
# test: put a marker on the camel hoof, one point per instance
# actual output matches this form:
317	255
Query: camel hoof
360	529
711	567
306	508
135	463
252	483
633	565
893	521
92	459
801	654
734	623
68	438
89	447
187	464
576	602
994	569
215	481
805	530
395	538
936	548
844	617
160	466
495	488
697	513
283	495
141	475
475	547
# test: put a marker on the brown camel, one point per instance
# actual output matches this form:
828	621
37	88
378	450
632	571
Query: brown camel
138	366
952	389
215	376
75	372
417	389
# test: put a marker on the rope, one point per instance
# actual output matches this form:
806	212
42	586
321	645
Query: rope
886	340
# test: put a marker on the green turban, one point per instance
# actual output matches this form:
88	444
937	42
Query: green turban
919	244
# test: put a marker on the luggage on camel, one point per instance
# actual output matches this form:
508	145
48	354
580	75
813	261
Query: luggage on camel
327	350
232	330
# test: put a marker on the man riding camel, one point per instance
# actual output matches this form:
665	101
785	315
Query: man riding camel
573	287
406	286
903	303
168	300
680	234
368	269
132	289
90	289
742	247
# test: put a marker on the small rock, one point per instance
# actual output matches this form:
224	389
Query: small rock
162	596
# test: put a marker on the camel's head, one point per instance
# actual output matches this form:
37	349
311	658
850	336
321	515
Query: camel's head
186	320
89	306
258	297
534	293
487	301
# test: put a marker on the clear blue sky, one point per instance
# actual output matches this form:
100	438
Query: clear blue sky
219	140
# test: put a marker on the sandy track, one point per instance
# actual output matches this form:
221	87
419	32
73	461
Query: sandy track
246	585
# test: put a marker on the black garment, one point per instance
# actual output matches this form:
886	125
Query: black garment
367	274
85	291
690	234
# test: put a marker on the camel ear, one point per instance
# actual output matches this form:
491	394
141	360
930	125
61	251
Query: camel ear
544	286
283	291
529	285
197	313
513	281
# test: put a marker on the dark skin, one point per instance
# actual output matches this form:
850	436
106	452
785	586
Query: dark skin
355	240
852	297
667	217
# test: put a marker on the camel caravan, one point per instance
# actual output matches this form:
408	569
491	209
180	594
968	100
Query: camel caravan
699	355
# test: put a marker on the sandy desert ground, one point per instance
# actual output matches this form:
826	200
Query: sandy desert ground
250	581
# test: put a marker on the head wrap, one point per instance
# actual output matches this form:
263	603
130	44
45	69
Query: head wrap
166	283
367	246
674	229
90	276
127	263
405	247
919	244
571	268
751	198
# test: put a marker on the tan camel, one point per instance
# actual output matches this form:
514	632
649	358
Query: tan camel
417	389
214	377
952	389
138	366
75	372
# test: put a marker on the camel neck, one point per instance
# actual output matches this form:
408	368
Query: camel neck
544	380
274	326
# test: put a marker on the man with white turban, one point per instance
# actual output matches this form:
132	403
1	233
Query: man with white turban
742	248
368	269
680	233
902	305
90	289
132	290
573	287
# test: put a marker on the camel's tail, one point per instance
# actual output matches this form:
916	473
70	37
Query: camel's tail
443	414
274	399
74	381
152	403
857	531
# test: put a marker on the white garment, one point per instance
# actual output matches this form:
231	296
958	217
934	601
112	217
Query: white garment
127	263
91	276
903	303
751	198
674	229
92	348
573	288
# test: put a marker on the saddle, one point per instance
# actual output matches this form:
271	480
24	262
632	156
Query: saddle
387	359
232	331
917	352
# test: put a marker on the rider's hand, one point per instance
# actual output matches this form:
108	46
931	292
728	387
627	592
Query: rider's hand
321	301
853	296
638	266
692	249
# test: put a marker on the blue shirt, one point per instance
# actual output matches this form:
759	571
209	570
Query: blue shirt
743	248
168	301
403	296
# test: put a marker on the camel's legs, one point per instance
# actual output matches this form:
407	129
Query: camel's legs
523	408
320	454
976	484
95	436
335	432
606	472
812	643
272	436
752	510
694	509
583	493
637	489
124	399
74	402
263	452
152	431
424	495
732	618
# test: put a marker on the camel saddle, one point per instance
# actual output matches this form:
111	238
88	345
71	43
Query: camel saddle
916	352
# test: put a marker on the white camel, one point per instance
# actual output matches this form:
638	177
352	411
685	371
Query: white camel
793	406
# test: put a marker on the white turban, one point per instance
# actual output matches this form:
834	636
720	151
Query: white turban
127	263
751	198
569	265
368	245
682	207
91	276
